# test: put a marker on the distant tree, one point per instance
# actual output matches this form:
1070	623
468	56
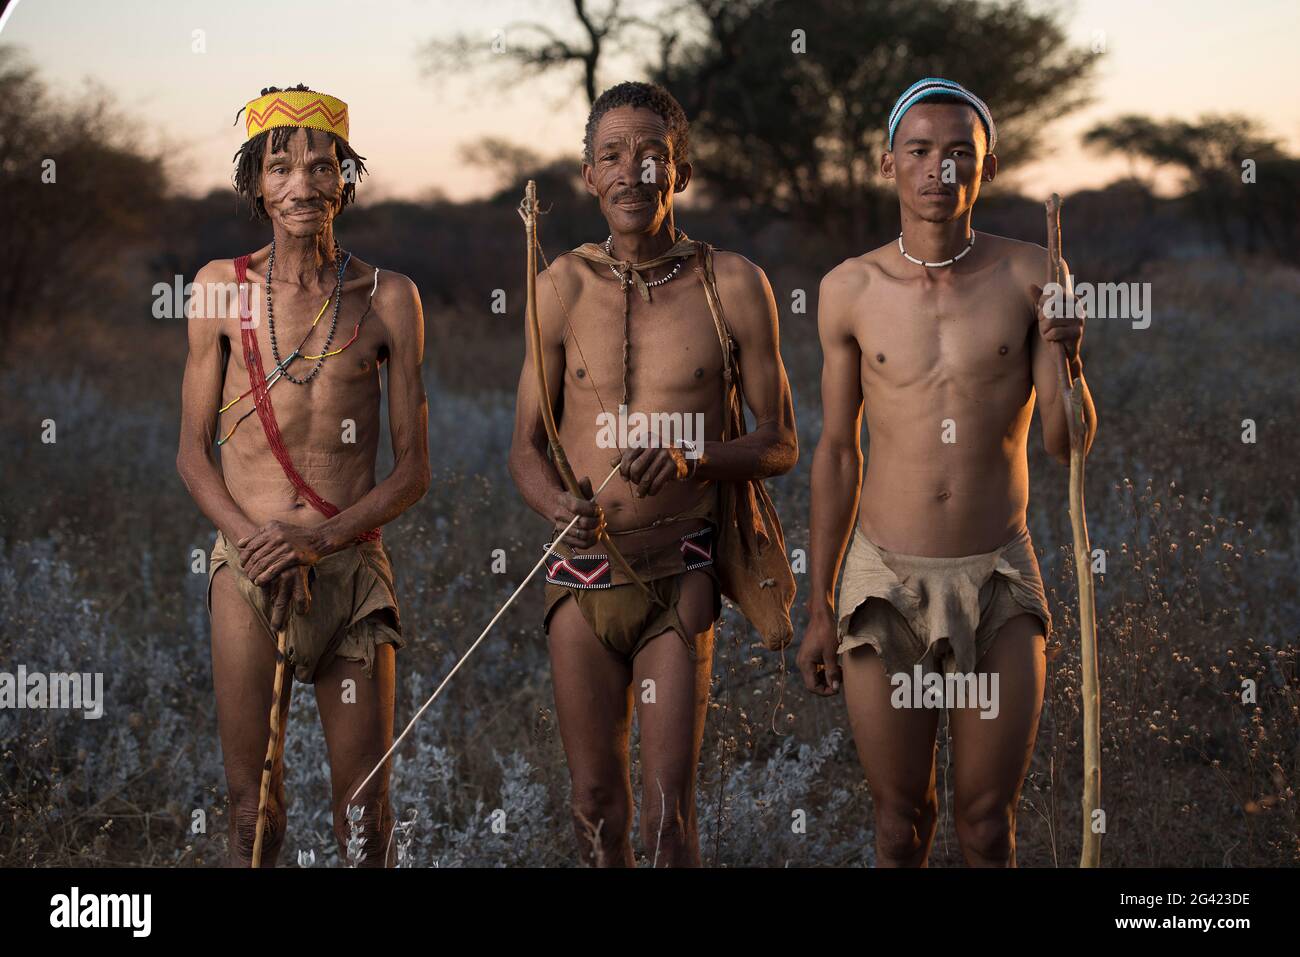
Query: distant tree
1204	150
76	189
1134	137
1211	154
801	133
507	162
798	132
533	48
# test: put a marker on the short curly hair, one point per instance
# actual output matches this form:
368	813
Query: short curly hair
649	96
248	158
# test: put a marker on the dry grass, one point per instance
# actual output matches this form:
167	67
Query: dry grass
1199	595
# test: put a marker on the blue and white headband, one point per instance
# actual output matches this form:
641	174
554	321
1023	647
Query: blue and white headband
936	86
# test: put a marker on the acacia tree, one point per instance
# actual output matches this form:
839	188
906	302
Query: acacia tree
1213	154
529	48
789	99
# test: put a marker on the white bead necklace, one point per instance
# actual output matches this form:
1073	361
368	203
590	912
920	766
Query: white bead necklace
650	284
946	262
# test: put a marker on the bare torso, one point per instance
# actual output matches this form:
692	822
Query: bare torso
675	366
948	393
313	418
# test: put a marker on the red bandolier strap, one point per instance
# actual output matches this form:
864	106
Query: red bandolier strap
266	413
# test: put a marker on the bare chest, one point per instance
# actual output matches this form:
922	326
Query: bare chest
913	335
666	354
340	370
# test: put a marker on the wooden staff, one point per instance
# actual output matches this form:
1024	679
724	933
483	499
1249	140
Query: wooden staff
1073	399
281	650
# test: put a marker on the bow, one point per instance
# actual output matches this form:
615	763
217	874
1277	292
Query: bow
528	211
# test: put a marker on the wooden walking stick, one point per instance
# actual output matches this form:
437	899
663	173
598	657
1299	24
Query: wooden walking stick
1073	398
277	692
281	650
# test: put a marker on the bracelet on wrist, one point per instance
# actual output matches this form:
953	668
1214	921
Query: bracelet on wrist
687	465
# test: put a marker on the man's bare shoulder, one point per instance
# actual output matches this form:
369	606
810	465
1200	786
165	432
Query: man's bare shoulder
739	278
396	298
1007	246
855	276
736	268
215	296
394	288
218	270
568	273
1027	260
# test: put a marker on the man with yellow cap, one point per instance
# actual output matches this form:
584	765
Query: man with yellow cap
283	376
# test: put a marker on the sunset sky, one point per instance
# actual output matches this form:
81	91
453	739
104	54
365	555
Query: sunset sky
1166	58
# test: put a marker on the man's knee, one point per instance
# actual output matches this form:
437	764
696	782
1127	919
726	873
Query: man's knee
600	810
664	818
984	831
244	827
904	828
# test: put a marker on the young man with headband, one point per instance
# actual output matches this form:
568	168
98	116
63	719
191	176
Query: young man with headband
942	335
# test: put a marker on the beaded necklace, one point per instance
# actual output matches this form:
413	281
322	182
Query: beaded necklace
650	283
946	262
282	364
278	371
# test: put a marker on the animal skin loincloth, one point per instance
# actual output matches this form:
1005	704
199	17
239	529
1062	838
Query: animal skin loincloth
353	607
622	616
938	612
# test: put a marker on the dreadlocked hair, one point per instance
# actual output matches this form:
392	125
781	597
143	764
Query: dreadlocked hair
248	158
